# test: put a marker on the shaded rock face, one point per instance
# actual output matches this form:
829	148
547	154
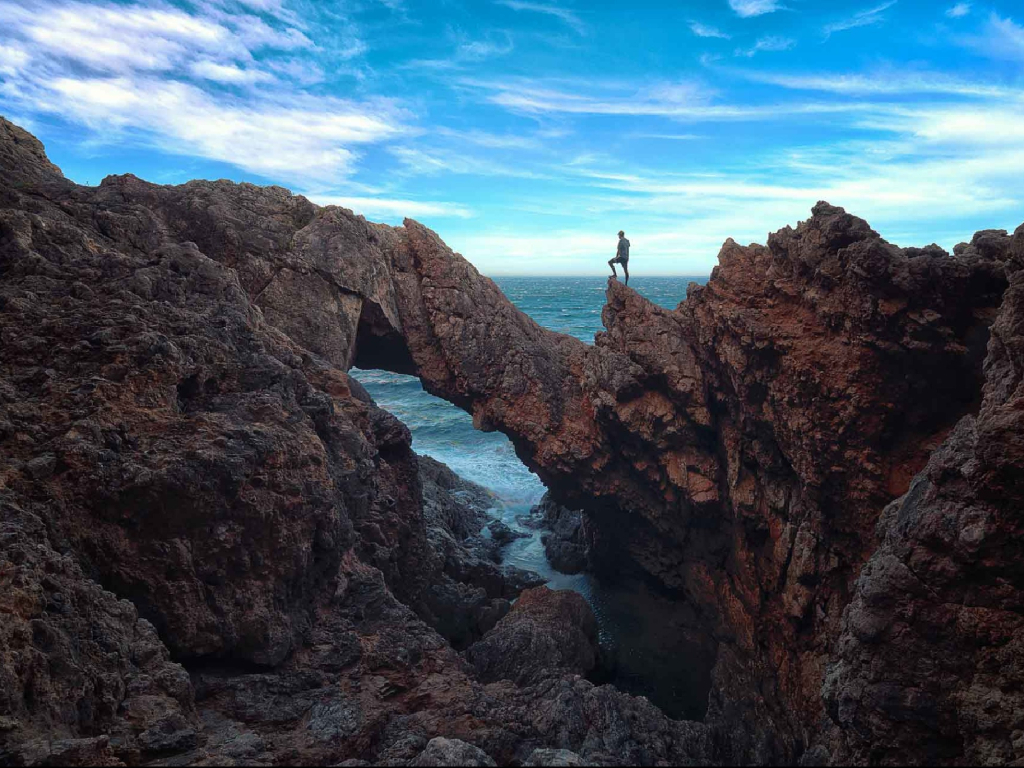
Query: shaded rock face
472	591
740	448
177	430
565	543
928	663
546	634
76	660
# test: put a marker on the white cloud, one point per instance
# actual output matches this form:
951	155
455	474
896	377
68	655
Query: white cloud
1001	39
475	50
390	209
304	138
943	164
303	72
13	59
995	125
684	102
492	140
861	19
703	30
466	52
881	83
959	10
115	39
124	71
748	8
770	43
557	11
228	73
436	161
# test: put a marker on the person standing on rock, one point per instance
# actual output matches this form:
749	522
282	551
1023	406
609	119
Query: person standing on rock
621	257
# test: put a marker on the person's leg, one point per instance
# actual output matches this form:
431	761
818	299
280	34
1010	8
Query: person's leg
625	270
611	263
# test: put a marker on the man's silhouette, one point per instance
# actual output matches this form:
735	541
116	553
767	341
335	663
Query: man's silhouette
621	257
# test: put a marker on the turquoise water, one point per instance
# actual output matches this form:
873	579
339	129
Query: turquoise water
642	625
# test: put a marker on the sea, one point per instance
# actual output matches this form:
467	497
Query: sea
653	654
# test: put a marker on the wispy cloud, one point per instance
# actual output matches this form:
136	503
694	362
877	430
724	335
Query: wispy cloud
703	30
155	75
467	51
311	138
959	10
880	83
492	140
667	136
391	209
770	43
13	58
999	39
567	16
688	102
748	8
861	19
228	73
435	161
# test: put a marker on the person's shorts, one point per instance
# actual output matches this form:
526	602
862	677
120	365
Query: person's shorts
623	260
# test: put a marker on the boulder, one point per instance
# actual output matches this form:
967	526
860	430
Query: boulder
547	633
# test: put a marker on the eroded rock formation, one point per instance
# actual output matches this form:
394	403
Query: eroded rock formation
178	431
215	548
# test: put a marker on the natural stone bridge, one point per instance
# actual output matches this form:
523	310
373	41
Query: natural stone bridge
741	448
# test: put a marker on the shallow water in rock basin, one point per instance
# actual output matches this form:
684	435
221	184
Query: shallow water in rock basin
653	656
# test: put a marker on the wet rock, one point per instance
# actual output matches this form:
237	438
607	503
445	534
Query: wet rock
547	633
565	543
172	733
472	591
504	535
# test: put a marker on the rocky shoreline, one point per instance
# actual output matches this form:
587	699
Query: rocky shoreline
216	549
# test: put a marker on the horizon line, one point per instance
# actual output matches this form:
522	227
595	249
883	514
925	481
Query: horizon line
589	274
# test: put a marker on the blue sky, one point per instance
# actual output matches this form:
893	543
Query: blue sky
528	132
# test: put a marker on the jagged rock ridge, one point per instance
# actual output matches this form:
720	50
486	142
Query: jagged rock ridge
214	547
740	449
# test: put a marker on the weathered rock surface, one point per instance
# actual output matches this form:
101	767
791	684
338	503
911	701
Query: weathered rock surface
547	633
177	430
471	592
565	542
76	660
928	663
741	447
190	481
444	752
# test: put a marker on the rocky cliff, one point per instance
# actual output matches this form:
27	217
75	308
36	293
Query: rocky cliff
191	478
215	547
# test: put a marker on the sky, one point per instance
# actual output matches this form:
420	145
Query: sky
528	132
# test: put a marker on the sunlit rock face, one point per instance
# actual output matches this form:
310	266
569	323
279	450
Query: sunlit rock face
178	431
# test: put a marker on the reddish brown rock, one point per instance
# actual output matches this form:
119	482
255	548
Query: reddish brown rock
741	447
928	665
188	478
174	410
